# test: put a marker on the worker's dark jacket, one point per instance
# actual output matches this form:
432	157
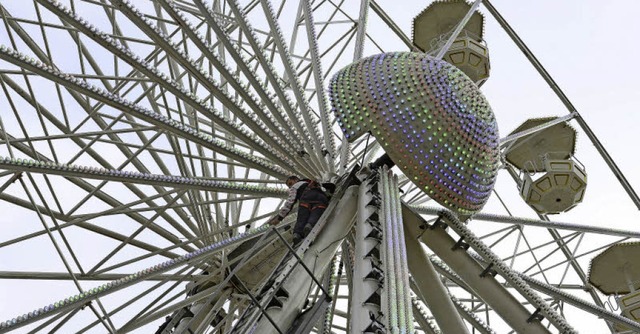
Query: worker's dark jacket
299	191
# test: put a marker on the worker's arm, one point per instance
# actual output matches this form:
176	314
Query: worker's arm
329	187
287	206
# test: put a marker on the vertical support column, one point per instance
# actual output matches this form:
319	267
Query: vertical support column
479	279
310	261
397	288
390	296
367	276
348	256
431	290
361	30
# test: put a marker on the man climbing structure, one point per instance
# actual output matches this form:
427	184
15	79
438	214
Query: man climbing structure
313	201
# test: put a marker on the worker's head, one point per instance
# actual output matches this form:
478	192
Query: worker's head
291	180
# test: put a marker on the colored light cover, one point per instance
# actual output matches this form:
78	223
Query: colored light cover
429	117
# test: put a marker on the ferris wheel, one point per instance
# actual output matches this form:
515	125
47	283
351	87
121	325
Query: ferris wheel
144	147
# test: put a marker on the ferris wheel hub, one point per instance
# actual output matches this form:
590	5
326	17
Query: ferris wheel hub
432	121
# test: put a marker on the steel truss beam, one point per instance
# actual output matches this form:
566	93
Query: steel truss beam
117	102
365	293
48	168
535	222
430	289
35	275
397	290
557	293
82	299
332	227
486	287
102	196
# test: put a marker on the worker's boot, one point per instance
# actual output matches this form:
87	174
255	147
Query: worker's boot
297	239
307	229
